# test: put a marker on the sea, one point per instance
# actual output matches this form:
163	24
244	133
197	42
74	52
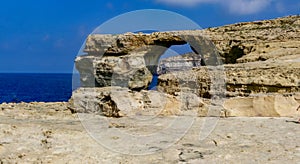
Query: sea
35	87
41	87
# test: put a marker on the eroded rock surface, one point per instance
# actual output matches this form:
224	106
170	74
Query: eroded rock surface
258	41
261	62
49	132
129	57
241	79
122	60
261	67
117	102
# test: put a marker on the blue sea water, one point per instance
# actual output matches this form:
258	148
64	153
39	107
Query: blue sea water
28	87
40	87
153	84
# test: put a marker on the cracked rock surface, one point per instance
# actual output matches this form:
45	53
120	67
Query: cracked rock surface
50	133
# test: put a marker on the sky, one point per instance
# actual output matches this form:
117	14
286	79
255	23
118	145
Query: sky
44	36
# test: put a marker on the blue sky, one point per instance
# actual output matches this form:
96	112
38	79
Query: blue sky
45	35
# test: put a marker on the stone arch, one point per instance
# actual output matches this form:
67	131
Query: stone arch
199	44
119	57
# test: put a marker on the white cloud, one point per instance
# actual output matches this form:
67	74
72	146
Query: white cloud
233	6
247	6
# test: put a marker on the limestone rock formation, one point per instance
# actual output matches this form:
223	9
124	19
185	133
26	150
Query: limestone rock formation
50	133
129	58
127	71
264	74
241	79
261	66
119	60
118	102
274	105
258	41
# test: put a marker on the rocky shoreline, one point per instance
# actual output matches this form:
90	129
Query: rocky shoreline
50	133
239	105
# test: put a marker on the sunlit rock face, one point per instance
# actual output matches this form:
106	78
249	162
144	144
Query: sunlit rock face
261	64
268	40
123	60
131	59
120	101
246	64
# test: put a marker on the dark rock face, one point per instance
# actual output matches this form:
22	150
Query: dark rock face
234	54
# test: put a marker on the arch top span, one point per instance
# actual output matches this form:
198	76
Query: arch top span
132	58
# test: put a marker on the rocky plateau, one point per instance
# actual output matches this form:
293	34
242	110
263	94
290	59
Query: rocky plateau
40	132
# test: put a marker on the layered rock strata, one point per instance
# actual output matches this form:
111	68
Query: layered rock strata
111	58
260	75
276	39
262	70
241	79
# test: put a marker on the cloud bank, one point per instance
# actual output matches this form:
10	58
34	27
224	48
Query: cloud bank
233	6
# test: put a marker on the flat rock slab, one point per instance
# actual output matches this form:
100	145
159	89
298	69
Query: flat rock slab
38	133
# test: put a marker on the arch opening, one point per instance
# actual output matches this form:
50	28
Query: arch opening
175	58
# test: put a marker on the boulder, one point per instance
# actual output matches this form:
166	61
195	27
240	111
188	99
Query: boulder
118	102
126	71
